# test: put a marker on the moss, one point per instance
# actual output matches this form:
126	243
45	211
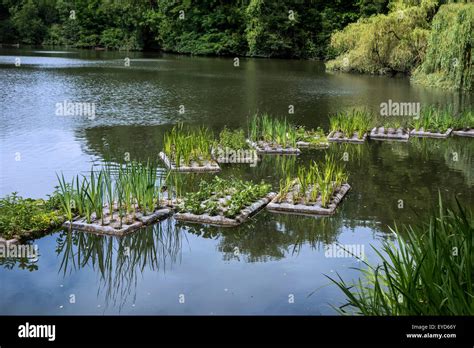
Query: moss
449	57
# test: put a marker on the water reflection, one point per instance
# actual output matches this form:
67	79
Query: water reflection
270	237
119	261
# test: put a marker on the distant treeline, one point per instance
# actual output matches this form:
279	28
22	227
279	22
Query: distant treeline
266	28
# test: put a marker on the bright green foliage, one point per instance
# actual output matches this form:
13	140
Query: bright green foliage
19	216
450	55
113	192
434	119
272	131
316	183
464	121
232	139
184	145
385	43
225	197
429	272
312	136
356	121
292	28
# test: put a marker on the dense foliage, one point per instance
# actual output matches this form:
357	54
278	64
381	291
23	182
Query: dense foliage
20	216
431	38
393	42
449	57
290	28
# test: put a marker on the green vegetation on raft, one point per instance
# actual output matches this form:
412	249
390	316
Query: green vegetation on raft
349	123
120	195
311	136
225	197
232	139
316	183
184	145
272	131
428	272
23	218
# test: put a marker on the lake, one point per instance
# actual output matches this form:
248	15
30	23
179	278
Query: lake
274	263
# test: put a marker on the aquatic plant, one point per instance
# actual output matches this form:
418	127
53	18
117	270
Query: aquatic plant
232	139
428	272
464	121
130	189
223	196
272	131
184	145
349	123
434	119
311	136
318	182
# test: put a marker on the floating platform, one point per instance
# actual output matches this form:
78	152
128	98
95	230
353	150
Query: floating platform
400	134
266	148
313	208
113	229
422	133
221	220
464	133
307	144
208	166
337	137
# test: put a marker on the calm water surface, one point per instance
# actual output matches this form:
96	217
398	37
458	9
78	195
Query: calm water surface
280	257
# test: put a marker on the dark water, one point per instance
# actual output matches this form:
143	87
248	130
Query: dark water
258	268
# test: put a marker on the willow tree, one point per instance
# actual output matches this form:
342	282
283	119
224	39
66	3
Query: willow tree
385	43
449	57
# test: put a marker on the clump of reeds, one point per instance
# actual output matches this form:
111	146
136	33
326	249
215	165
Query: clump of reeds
272	131
184	145
464	121
232	139
434	119
356	122
104	196
314	184
428	272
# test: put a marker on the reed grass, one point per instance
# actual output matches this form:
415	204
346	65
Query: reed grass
318	182
131	189
184	145
232	139
354	122
464	121
272	131
434	119
429	272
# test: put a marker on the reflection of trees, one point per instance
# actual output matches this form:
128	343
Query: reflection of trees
272	237
412	172
119	260
20	262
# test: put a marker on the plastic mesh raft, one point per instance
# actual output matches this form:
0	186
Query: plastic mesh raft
313	208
